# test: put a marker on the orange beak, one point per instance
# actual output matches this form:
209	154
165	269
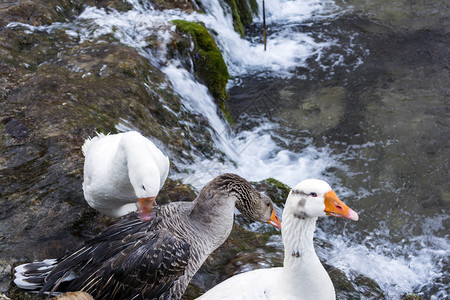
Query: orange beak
146	206
335	207
274	221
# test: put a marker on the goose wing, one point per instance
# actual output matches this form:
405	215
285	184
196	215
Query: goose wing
130	260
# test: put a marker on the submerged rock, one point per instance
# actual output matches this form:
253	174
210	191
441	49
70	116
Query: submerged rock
316	113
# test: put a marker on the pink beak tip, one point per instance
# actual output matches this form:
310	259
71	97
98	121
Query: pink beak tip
352	215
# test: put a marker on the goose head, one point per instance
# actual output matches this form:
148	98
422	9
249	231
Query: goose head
315	198
146	189
259	207
251	203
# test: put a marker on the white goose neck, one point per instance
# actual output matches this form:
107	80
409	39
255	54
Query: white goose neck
303	272
298	237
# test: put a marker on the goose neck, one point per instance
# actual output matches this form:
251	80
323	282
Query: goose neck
298	236
213	214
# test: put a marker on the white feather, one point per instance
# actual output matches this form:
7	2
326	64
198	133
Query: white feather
119	169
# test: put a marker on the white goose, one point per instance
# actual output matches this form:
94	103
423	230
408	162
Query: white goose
121	170
302	277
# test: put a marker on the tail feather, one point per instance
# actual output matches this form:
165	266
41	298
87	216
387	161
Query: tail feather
88	142
31	276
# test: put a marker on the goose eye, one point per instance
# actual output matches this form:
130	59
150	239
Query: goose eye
268	204
143	187
313	194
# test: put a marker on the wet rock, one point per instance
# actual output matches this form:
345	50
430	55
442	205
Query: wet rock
406	16
343	287
55	92
185	5
242	12
207	59
16	129
411	297
319	112
368	287
175	190
276	190
40	12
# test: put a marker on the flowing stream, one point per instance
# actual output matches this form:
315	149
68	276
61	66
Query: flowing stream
400	257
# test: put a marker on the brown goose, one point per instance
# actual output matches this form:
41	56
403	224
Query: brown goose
154	259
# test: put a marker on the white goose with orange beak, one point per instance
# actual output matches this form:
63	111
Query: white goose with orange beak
302	277
122	171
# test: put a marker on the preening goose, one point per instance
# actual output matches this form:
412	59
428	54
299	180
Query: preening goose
122	170
155	259
302	277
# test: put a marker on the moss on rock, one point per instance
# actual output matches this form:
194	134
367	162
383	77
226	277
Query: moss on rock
275	189
175	191
242	12
411	297
209	65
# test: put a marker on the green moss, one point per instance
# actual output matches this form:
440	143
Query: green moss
226	113
368	287
276	190
411	297
237	23
242	12
209	65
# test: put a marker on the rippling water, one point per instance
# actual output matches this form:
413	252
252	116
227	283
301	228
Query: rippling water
331	98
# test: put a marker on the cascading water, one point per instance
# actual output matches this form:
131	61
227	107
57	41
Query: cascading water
254	153
246	150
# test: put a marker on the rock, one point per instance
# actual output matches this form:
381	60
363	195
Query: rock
317	113
209	65
411	297
185	5
359	288
242	12
175	190
55	92
276	190
41	12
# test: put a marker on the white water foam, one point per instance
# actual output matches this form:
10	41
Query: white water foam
287	47
253	154
398	268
